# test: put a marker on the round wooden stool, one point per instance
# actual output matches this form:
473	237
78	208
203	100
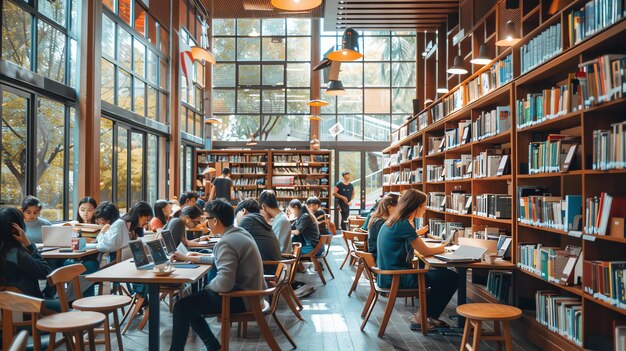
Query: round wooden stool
72	324
106	304
477	313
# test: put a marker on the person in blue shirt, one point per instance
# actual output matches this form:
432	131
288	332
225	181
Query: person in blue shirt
397	240
385	208
31	208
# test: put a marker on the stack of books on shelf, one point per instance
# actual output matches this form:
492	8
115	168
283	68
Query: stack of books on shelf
435	144
497	206
412	126
541	48
456	137
440	229
409	176
457	168
422	120
556	154
609	147
491	123
591	18
561	314
391	178
454	102
607	281
437	112
605	214
248	169
393	160
283	181
551	211
436	201
435	173
286	158
490	163
459	202
496	76
249	181
602	79
235	158
554	264
485	232
499	285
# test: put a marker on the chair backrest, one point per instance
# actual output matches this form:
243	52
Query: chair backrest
326	240
19	343
355	222
15	302
282	279
318	247
66	275
368	262
351	237
297	250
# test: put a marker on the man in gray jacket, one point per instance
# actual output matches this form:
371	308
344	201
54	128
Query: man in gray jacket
247	216
239	267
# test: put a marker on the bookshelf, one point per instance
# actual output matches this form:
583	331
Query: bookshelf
293	174
542	77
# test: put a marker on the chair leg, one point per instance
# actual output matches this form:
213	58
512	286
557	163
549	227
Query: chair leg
506	331
370	308
51	341
477	331
291	304
107	333
226	324
422	301
265	329
329	270
285	332
318	268
466	333
132	311
497	331
294	297
389	309
345	260
78	336
244	329
118	334
92	339
370	296
238	329
357	277
144	320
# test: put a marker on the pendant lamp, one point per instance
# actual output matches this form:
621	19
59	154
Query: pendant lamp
428	101
317	103
252	142
201	54
483	56
212	120
349	47
457	67
335	87
510	37
315	118
296	5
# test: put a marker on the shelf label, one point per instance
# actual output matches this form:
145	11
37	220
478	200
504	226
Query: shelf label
589	237
575	233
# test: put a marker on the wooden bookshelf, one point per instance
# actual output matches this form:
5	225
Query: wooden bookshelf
307	172
485	25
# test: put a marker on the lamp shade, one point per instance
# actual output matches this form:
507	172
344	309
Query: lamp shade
349	47
483	56
428	101
335	87
296	5
317	103
510	37
457	67
201	54
315	118
212	120
252	142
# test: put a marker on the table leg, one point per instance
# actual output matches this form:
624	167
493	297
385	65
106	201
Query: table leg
153	328
461	292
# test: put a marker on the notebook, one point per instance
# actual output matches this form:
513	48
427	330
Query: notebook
463	254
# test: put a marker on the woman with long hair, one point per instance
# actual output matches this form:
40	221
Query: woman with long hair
162	213
128	227
396	241
384	209
307	230
86	208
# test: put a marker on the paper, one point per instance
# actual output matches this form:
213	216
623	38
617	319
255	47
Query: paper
181	249
336	130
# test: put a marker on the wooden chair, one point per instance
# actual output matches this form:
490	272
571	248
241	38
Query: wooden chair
68	323
355	222
20	341
260	309
353	239
288	294
105	304
324	242
393	292
477	313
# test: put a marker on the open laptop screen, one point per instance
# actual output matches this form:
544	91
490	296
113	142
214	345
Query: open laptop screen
140	256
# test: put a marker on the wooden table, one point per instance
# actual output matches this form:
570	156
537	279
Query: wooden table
76	255
461	268
127	272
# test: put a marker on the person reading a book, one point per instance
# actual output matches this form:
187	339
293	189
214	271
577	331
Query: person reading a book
280	223
306	230
128	227
190	218
397	240
239	267
386	206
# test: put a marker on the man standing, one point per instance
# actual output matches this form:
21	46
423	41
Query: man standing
223	187
344	192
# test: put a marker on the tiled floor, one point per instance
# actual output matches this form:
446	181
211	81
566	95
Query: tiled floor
332	321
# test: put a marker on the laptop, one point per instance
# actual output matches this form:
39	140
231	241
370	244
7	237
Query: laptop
159	257
140	255
54	237
168	242
463	254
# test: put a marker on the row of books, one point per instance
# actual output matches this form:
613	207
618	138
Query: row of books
490	163
541	48
406	176
499	285
436	144
486	232
556	154
594	16
491	123
440	229
619	337
247	169
299	170
560	314
455	137
609	147
606	281
203	158
436	201
249	181
301	193
437	112
434	173
498	75
601	210
551	211
457	168
494	206
454	101
422	120
300	158
459	202
554	264
602	79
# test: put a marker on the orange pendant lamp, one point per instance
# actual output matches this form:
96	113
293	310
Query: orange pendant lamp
296	5
349	47
201	54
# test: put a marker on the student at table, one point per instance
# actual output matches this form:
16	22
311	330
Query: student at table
188	198
190	218
306	230
239	267
86	208
162	213
397	239
248	217
314	203
21	266
280	223
31	209
128	227
385	208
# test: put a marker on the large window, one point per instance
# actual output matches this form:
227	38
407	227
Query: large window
46	170
41	36
379	88
262	82
135	51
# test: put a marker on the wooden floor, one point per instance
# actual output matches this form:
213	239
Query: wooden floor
332	321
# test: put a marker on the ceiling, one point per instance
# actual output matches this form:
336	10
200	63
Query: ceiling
387	14
255	9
